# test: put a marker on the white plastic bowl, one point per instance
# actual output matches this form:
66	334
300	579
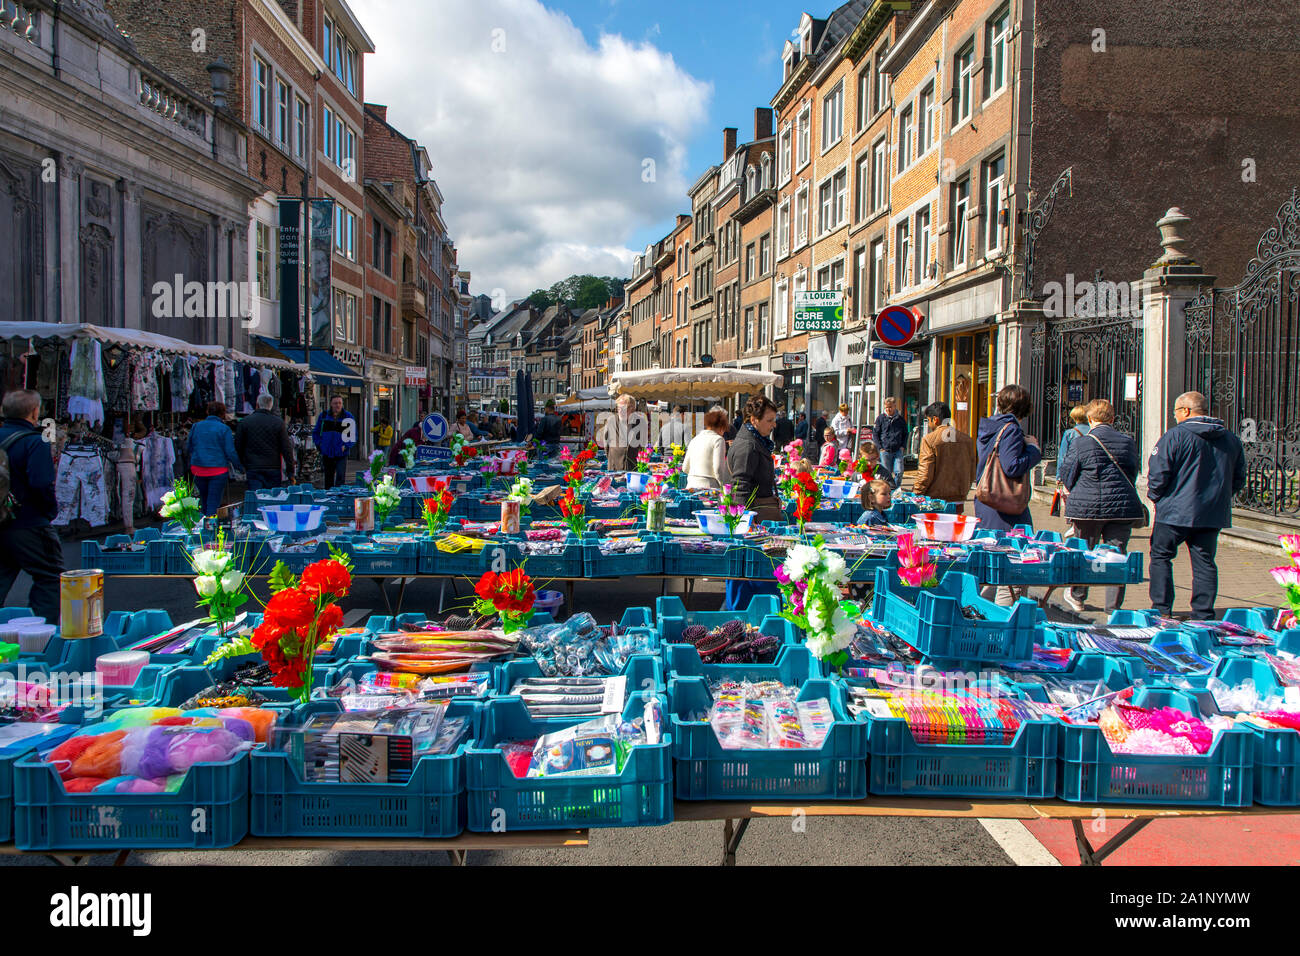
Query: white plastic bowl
283	518
637	481
428	484
937	527
711	522
837	489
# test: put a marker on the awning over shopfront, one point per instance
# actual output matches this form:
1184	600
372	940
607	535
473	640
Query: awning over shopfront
326	369
666	384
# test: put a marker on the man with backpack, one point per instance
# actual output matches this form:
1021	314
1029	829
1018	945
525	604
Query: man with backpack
28	505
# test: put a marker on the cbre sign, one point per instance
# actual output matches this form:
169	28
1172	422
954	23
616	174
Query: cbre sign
818	311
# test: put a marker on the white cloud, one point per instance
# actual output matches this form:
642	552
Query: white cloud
539	148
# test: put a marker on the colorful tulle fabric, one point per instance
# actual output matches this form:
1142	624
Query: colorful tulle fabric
1164	730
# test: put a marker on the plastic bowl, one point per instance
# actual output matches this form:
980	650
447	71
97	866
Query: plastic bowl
293	517
939	527
637	480
837	489
428	484
549	601
711	522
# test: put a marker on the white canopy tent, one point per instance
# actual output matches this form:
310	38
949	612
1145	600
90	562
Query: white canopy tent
690	384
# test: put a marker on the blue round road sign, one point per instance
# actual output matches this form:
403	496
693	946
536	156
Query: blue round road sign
895	326
434	427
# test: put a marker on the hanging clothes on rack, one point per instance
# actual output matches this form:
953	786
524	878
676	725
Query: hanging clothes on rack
80	487
117	379
86	390
203	392
182	382
159	466
144	382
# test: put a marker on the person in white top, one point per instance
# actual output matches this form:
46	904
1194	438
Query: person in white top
843	427
706	455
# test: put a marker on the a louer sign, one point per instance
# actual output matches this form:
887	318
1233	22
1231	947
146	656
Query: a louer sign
818	311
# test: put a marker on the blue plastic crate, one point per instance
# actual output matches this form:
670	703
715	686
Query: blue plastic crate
650	560
209	811
1116	673
1091	773
404	559
1001	569
1095	572
56	737
1257	619
794	664
728	563
671	616
644	672
705	771
430	805
641	795
112	696
146	560
179	684
570	563
931	620
1277	751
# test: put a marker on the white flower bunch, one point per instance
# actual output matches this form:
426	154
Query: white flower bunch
521	491
408	453
830	629
804	561
181	505
171	506
386	494
218	583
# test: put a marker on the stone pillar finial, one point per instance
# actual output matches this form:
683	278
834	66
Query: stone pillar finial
1172	239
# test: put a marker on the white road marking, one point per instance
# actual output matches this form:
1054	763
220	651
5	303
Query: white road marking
1019	844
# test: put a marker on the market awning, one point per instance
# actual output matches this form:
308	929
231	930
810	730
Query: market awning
665	384
130	337
326	369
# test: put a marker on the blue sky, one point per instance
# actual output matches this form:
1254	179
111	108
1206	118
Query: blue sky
734	45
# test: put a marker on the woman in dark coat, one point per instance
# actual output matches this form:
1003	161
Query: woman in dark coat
1018	453
753	481
1103	503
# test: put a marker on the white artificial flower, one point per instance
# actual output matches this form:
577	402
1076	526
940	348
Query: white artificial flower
817	616
190	503
843	627
169	498
818	645
211	562
231	580
206	585
168	511
800	560
836	571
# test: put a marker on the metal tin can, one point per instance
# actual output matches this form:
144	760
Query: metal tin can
656	512
363	509
81	604
509	517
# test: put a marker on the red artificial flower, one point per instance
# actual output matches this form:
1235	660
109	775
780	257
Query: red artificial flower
327	578
570	506
290	610
330	620
487	586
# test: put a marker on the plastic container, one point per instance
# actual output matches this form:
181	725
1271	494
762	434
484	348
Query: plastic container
430	805
945	527
705	771
209	811
549	601
286	518
139	561
1106	566
644	673
711	522
837	489
121	667
401	560
35	638
1223	777
931	619
637	481
640	795
649	560
671	616
728	563
428	484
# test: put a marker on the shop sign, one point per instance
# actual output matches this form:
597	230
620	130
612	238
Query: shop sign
818	311
416	377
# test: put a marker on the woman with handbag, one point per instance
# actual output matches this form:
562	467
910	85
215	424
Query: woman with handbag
1103	504
1006	456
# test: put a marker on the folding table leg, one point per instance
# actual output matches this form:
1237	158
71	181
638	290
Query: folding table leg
732	833
1088	856
458	857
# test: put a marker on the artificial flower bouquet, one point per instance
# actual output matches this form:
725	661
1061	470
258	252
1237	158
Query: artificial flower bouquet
509	594
812	580
181	505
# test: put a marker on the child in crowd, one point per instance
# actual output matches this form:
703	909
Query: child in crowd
830	450
877	498
875	470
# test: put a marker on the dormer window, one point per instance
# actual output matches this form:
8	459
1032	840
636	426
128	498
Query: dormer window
751	179
767	171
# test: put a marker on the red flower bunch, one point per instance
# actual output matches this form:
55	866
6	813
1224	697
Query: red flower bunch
301	615
573	511
464	454
808	495
573	475
509	594
436	510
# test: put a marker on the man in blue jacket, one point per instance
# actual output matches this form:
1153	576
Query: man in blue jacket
1196	468
335	435
890	436
27	542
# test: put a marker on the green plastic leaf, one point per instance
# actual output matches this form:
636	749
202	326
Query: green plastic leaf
281	578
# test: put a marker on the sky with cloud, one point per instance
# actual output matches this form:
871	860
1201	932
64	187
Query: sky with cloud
543	120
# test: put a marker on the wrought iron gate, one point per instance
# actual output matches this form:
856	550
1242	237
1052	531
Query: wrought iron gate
1243	353
1073	361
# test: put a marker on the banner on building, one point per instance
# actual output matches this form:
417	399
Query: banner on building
290	279
416	377
500	374
818	311
322	252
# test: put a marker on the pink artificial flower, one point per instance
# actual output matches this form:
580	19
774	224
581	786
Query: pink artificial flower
845	455
1288	576
780	574
1290	543
921	576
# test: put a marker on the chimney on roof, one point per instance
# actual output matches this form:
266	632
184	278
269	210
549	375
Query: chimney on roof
379	110
728	142
762	123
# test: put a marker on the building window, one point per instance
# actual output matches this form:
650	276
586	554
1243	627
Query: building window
878	275
864	97
860	282
994	192
302	132
345	232
833	116
282	113
750	259
762	325
388	328
902	250
830	201
765	255
905	138
922	271
925	120
995	45
328	135
266	261
963	92
329	42
261	93
749	329
879	175
957	229
882	79
804	137
376	319
787	136
783	228
350	154
801	216
862	188
352	70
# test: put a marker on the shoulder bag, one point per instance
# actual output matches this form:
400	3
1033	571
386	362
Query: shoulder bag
1145	520
997	489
